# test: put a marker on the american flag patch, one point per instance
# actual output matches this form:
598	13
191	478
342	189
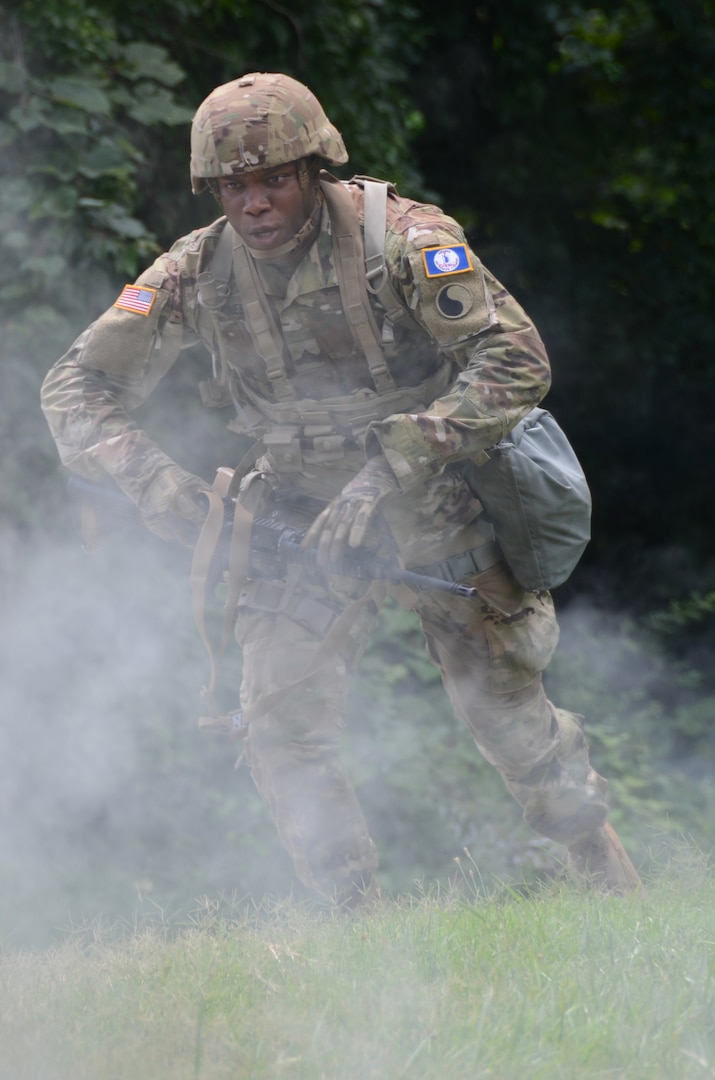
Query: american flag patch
137	298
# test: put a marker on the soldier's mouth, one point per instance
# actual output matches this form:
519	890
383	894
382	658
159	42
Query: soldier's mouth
263	236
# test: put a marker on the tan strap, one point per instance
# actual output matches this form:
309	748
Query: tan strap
214	283
350	270
203	557
204	554
351	266
376	273
238	559
262	325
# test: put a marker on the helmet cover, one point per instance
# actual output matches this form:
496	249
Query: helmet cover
257	122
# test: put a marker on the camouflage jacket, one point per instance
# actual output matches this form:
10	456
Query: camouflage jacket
464	323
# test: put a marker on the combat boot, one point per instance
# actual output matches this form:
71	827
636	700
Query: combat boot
360	897
599	858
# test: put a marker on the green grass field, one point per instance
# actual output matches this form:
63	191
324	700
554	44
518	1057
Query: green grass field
553	984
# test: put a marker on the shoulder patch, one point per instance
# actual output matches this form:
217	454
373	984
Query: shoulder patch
137	298
446	260
454	301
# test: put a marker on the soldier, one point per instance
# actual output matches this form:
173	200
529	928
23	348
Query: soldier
365	407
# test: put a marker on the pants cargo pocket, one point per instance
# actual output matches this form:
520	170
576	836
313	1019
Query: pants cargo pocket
520	627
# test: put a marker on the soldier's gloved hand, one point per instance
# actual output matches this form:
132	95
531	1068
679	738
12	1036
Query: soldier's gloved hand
345	522
174	505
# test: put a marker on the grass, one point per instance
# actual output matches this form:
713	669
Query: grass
556	984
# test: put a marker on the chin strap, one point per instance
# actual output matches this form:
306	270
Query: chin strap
301	238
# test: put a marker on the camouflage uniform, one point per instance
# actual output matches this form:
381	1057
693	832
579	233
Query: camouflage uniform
473	352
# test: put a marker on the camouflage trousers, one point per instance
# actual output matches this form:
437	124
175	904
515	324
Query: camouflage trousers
490	653
302	640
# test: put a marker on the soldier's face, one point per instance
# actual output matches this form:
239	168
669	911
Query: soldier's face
266	207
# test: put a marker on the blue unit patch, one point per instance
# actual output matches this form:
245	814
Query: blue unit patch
446	260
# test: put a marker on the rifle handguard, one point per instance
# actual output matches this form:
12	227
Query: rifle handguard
273	546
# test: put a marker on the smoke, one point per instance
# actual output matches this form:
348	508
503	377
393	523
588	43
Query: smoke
110	799
108	793
648	701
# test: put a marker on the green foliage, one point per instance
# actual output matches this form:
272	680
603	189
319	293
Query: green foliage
663	151
73	155
682	614
580	147
79	105
355	56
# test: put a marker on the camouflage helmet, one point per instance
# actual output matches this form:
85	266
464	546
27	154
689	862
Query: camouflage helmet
256	122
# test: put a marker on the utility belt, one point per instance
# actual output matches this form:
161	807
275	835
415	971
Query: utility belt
474	561
317	432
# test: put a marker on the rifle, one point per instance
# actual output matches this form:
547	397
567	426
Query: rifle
273	545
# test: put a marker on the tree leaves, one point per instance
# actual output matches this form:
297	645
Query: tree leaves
76	120
84	94
142	60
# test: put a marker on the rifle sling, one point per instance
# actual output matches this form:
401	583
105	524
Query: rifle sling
200	565
204	554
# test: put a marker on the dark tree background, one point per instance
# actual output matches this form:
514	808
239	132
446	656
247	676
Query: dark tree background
576	144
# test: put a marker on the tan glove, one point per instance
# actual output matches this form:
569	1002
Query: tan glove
346	521
173	505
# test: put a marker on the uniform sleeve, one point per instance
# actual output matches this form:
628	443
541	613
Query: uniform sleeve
503	366
89	394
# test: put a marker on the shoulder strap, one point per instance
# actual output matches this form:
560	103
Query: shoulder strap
378	279
349	267
213	283
231	254
354	281
261	321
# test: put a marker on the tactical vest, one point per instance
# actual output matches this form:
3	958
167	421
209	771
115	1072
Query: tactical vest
296	432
